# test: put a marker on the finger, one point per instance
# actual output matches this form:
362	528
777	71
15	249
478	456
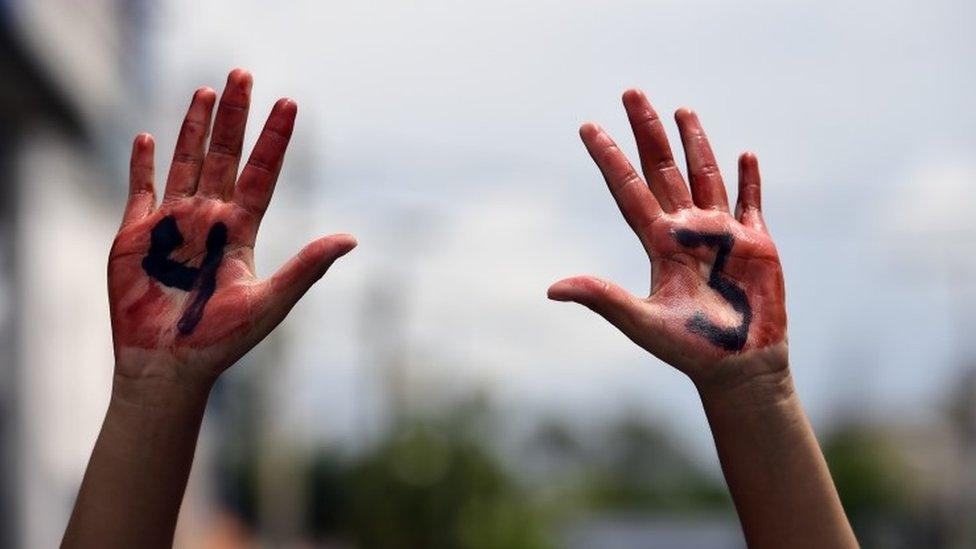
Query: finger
657	162
748	208
257	181
295	277
142	195
707	187
615	304
224	155
184	172
635	200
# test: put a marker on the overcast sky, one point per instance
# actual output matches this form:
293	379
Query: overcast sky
443	134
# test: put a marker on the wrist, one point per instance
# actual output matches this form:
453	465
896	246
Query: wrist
156	382
158	394
757	377
150	417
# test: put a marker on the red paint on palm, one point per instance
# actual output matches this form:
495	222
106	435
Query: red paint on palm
196	306
717	290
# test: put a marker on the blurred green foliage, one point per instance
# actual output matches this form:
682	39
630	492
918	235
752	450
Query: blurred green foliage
438	481
878	490
430	483
867	469
638	467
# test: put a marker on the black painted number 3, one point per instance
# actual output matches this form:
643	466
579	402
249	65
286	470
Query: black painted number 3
166	237
730	339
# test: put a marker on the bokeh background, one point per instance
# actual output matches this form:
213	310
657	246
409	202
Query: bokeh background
425	393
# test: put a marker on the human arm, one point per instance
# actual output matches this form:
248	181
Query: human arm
185	305
717	312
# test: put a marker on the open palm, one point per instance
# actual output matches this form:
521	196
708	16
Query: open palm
716	282
183	292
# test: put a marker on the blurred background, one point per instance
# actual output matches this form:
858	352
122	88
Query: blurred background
426	394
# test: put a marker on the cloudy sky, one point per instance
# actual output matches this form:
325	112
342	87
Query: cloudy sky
443	134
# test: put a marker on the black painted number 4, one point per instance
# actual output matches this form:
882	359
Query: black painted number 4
164	238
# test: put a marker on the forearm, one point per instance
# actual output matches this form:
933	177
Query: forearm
132	489
774	468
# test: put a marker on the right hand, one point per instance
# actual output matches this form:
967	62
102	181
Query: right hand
717	294
184	297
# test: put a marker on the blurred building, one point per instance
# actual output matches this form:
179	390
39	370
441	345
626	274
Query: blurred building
69	73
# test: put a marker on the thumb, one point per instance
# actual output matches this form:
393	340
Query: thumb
296	276
605	298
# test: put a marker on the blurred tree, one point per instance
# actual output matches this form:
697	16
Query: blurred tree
632	465
432	483
867	470
639	467
875	486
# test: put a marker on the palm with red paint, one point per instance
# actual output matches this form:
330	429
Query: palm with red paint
717	292
203	190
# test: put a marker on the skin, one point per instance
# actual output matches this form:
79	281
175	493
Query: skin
131	493
772	463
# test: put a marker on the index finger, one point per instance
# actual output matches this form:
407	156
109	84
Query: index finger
635	200
258	179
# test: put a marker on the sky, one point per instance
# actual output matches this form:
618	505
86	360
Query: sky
443	135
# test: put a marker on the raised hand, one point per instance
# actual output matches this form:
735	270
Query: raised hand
717	291
717	312
185	300
185	305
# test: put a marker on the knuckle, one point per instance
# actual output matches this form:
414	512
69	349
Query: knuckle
708	169
220	148
232	107
187	159
275	135
663	164
261	166
608	153
647	118
629	178
192	128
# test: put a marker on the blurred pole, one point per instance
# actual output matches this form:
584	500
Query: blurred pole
937	245
961	282
385	343
9	417
281	462
942	250
384	365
